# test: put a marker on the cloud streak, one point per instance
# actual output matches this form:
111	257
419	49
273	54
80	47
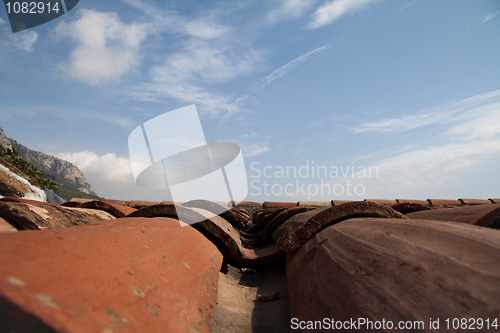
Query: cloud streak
332	11
489	16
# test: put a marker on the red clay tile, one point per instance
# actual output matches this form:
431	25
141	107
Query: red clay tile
117	202
242	217
315	203
282	217
482	215
396	270
405	208
298	229
43	216
215	208
245	204
411	201
474	201
114	209
12	199
138	204
81	200
72	204
126	275
279	204
382	201
494	200
261	219
340	202
444	202
6	226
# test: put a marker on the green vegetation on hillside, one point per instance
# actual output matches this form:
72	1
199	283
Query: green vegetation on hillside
12	157
68	193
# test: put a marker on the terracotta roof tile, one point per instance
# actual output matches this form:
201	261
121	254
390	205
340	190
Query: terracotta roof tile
315	203
282	217
475	201
382	201
141	203
494	200
268	204
411	201
444	202
482	215
6	226
245	204
340	202
405	208
297	230
112	208
395	270
127	275
117	202
42	216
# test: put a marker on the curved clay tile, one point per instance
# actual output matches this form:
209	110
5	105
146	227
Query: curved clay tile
122	275
396	270
112	208
297	230
283	216
40	215
482	215
215	228
405	208
217	209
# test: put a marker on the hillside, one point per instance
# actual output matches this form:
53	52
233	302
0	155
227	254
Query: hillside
71	181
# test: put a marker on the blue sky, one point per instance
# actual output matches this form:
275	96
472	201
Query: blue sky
409	88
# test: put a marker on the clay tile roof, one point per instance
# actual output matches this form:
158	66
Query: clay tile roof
444	202
382	201
420	202
397	270
315	203
130	275
475	201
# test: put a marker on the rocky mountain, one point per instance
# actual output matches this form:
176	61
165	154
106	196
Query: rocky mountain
66	174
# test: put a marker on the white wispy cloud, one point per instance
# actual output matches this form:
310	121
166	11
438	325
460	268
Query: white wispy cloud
489	16
331	11
283	70
107	48
21	41
445	113
289	9
172	22
408	5
253	149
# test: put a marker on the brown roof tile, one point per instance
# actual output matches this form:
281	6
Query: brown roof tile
395	270
444	202
112	208
6	226
482	215
282	217
494	200
245	204
382	201
297	230
268	204
43	216
411	201
141	203
127	275
474	201
405	208
340	202
117	202
315	203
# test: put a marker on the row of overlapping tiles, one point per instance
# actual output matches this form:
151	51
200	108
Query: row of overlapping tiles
270	204
127	269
